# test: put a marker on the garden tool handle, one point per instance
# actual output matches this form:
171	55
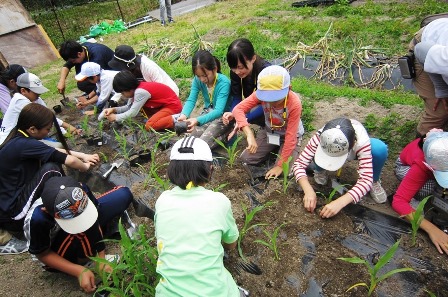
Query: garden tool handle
338	174
109	171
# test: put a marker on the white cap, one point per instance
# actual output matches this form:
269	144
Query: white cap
88	69
32	82
191	148
435	149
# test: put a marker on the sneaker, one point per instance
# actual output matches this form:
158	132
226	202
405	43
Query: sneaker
377	193
321	177
163	23
13	247
170	21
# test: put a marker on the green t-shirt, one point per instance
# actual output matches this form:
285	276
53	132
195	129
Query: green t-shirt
190	225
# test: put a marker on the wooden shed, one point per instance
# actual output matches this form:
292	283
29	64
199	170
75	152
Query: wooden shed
22	41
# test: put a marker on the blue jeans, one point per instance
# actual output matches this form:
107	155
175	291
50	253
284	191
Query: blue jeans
379	157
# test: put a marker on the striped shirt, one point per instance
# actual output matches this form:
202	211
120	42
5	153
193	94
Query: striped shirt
361	151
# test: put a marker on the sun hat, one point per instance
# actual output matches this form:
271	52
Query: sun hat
336	139
70	206
191	148
14	70
273	84
435	149
88	69
124	58
32	82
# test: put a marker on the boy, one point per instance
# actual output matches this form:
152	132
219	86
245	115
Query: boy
190	218
66	225
103	79
282	109
75	55
338	141
29	89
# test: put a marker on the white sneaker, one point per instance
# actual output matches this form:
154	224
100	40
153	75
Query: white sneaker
321	177
377	193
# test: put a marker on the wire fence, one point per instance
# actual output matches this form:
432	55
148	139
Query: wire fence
70	19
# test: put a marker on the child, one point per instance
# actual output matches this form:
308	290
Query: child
215	89
29	89
421	167
245	66
189	219
8	84
76	54
65	227
141	66
103	79
27	164
157	101
282	109
338	141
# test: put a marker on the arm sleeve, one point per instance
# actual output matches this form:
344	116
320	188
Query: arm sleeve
231	233
306	157
409	186
106	89
140	98
220	98
365	173
239	112
192	98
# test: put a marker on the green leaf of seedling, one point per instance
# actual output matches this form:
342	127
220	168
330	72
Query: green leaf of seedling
354	260
392	272
263	242
384	259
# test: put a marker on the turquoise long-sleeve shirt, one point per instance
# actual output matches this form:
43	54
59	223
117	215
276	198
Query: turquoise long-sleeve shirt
220	99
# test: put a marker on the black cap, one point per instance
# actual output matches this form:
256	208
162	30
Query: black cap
124	58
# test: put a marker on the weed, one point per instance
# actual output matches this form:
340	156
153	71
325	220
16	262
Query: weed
220	187
135	274
373	270
272	243
417	218
232	151
247	226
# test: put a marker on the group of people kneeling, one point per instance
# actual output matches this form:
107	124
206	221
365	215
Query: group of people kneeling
64	222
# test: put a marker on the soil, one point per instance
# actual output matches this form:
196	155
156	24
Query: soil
308	245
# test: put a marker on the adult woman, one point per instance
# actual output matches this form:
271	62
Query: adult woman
27	163
215	89
245	66
421	166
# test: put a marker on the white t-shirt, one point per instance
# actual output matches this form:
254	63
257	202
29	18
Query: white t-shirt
437	57
153	72
104	87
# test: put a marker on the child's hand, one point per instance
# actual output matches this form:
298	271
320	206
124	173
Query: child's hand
252	145
274	172
227	117
87	281
111	117
192	122
109	111
91	159
182	118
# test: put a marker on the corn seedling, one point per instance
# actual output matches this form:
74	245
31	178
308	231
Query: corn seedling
148	176
135	273
103	157
417	218
85	126
272	243
431	294
285	169
232	151
375	279
71	138
248	217
123	143
100	128
164	184
330	196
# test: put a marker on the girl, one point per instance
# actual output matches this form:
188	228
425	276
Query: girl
8	79
27	163
422	166
190	218
157	101
245	66
215	89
